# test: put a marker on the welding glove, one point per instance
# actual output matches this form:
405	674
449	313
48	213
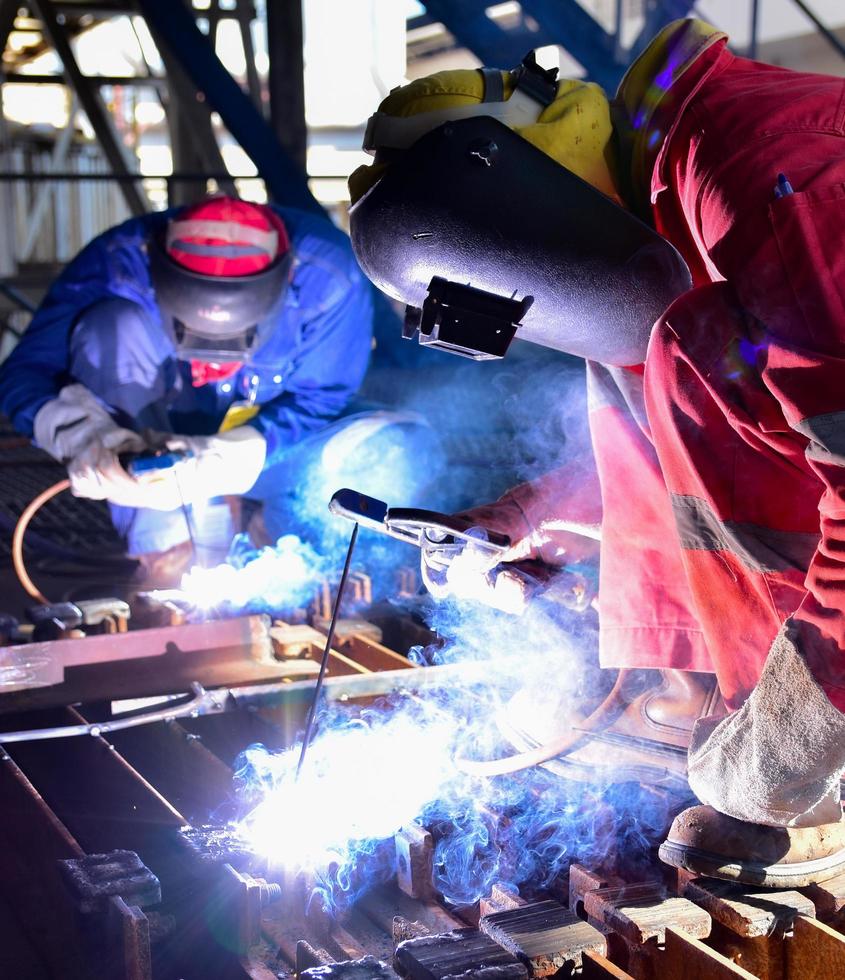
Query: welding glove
778	760
76	430
540	551
225	464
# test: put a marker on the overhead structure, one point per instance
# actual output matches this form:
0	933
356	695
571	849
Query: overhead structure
543	22
58	190
501	34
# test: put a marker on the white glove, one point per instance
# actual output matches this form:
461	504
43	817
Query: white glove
75	429
226	464
777	761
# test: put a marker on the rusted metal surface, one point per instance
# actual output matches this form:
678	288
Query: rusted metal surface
95	879
161	791
144	663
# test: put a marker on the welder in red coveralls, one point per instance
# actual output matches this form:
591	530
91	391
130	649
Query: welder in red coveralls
718	431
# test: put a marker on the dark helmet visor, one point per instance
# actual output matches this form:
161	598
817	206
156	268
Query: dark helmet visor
216	318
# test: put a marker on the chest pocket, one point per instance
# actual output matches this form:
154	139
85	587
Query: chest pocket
809	227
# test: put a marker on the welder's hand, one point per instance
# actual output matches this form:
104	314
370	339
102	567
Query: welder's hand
478	574
75	429
528	568
225	464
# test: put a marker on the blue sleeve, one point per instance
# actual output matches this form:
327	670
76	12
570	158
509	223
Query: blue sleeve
328	369
114	265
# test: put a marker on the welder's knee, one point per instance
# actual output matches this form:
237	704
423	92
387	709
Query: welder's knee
390	455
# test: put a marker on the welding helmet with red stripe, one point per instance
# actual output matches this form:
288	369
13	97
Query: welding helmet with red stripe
219	271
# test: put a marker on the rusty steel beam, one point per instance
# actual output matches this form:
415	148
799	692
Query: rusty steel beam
144	663
177	763
32	840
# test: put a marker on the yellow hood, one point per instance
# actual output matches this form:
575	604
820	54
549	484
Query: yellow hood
644	87
575	129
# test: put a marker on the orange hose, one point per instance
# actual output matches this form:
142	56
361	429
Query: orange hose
29	512
612	706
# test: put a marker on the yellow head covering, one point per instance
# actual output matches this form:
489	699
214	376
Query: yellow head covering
575	129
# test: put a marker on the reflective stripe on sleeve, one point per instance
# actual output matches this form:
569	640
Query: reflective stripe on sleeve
827	437
761	549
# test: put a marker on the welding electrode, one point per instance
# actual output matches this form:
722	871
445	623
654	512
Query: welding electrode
312	711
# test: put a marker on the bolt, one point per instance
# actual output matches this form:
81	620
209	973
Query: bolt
483	151
268	891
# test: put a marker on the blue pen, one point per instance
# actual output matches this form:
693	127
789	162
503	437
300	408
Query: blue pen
783	187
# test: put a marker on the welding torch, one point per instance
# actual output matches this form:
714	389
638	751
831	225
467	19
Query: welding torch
444	537
152	462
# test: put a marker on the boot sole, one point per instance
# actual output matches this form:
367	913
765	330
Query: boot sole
797	875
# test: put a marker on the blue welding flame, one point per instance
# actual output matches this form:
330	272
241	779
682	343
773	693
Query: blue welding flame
369	773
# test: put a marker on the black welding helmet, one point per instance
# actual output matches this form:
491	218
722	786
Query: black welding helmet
217	296
484	237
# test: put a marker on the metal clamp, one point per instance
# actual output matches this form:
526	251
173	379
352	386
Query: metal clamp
446	534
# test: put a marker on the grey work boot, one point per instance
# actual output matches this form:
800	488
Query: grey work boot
706	842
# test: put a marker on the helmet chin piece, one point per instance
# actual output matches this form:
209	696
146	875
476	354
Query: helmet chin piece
216	318
485	237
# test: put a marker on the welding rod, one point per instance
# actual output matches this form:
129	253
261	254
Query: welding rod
312	710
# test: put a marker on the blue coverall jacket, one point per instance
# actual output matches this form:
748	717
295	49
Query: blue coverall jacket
100	326
302	376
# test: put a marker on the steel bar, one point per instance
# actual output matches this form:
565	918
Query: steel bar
248	631
245	12
178	763
286	182
753	29
285	77
17	297
38	209
203	702
193	141
32	840
369	685
822	28
92	103
324	660
126	177
25	78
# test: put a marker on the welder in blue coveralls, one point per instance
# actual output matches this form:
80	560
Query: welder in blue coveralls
233	333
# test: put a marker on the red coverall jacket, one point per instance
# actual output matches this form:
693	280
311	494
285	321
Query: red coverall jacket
722	459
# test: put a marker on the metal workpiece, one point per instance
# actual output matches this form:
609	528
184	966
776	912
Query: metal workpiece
134	830
97	877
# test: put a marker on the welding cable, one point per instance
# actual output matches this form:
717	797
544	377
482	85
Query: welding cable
202	703
610	709
28	513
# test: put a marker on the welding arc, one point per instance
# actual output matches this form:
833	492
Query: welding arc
605	713
312	711
28	513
